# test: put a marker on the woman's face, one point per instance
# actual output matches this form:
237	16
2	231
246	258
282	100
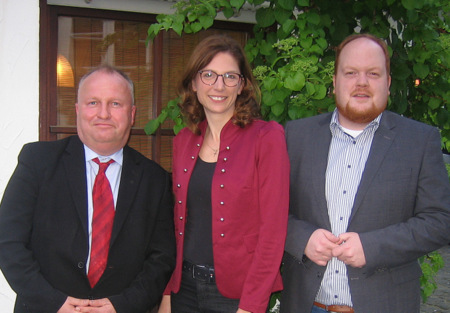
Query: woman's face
219	99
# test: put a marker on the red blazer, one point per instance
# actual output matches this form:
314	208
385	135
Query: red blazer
250	203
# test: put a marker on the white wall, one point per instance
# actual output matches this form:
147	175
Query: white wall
19	94
19	80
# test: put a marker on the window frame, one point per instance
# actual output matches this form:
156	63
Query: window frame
48	128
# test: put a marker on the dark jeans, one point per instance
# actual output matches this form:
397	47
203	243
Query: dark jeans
201	297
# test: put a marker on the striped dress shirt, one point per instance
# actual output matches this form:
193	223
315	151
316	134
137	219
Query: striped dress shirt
347	157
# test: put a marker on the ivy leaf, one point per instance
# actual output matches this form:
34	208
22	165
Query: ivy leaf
278	109
211	11
237	3
303	3
177	128
206	21
421	70
266	48
151	126
412	4
228	12
192	17
306	43
265	17
310	89
320	92
287	4
178	28
295	82
313	18
322	43
196	27
282	15
270	83
434	103
401	71
288	25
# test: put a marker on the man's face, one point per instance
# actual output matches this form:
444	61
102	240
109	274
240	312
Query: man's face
105	112
361	83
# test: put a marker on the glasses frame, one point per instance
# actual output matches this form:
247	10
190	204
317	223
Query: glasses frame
223	77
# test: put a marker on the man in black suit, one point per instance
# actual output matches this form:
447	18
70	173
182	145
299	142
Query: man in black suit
369	196
47	211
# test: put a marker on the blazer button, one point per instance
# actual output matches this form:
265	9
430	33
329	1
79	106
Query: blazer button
80	265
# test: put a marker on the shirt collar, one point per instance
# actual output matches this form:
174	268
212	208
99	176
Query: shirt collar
335	125
117	156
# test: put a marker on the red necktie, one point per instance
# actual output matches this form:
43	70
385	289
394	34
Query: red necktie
102	222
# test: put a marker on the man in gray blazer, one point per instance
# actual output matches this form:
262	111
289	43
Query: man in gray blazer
47	229
369	196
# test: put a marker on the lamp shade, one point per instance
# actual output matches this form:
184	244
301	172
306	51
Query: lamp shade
64	72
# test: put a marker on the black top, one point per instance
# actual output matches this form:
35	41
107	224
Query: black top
198	233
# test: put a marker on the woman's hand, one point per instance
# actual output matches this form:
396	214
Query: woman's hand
242	311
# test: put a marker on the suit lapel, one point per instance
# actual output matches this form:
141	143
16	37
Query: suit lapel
382	141
75	166
319	166
129	182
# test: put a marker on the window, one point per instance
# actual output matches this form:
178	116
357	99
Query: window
75	40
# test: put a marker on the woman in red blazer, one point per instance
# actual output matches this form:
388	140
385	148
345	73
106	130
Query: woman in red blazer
231	184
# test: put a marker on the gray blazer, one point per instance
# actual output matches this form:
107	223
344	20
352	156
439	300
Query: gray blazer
401	212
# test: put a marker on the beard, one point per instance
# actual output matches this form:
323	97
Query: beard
358	115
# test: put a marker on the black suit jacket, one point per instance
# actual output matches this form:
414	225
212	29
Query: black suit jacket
44	231
401	212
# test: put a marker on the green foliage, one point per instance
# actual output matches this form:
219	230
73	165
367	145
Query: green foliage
430	264
292	52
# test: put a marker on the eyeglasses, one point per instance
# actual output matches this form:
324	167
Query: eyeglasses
229	79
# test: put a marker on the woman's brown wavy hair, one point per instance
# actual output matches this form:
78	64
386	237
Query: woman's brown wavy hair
247	106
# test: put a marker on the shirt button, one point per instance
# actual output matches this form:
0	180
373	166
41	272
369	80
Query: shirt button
180	202
181	217
181	234
223	170
222	203
185	170
178	185
198	145
192	157
222	219
228	148
222	185
222	235
225	159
